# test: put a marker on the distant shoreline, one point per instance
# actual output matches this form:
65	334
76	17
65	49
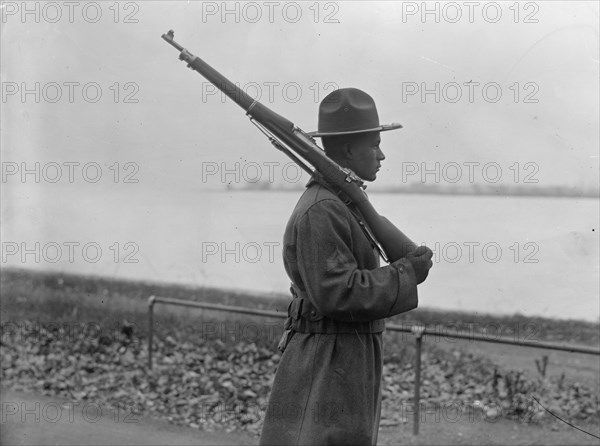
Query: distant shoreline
499	191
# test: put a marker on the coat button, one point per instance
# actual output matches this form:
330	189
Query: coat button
401	268
313	313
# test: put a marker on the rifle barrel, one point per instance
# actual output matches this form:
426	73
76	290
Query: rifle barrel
169	38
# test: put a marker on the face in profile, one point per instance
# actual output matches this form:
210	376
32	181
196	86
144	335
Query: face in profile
365	155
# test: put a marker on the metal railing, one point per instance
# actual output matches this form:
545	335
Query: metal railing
153	300
417	330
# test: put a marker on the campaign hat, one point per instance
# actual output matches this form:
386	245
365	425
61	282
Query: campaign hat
349	111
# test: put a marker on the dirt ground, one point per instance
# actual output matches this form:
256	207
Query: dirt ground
480	432
29	419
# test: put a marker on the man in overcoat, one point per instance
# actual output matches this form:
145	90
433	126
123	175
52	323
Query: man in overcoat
327	388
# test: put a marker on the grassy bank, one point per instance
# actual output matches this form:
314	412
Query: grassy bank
88	293
84	338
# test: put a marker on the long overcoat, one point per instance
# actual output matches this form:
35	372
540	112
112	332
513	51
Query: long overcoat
326	389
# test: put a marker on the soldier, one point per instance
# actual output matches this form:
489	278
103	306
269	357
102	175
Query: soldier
327	389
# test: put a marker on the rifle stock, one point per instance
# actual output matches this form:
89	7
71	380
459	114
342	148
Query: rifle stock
392	241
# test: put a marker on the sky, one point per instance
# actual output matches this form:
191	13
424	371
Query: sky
516	83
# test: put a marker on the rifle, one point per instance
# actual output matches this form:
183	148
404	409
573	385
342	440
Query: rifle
391	243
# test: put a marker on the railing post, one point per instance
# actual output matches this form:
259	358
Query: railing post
418	332
151	301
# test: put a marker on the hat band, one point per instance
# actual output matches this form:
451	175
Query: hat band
381	128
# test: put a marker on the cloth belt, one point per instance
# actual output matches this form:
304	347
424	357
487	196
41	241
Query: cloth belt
303	317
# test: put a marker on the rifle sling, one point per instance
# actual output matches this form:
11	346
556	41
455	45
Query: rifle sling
355	212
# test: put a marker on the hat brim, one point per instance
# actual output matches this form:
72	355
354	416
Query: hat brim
381	128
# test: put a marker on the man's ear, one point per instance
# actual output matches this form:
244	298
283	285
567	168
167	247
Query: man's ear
347	150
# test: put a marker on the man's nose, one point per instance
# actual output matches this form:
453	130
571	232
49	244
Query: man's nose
380	155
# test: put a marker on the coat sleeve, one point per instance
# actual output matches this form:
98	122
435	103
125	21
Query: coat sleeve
329	270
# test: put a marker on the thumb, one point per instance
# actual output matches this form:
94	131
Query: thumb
421	250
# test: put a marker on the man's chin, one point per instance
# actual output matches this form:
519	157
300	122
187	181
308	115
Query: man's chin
370	178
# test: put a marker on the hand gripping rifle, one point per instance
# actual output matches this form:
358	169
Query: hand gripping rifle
392	244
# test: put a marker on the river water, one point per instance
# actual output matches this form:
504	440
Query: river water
500	255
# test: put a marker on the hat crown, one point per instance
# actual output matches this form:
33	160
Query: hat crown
347	110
